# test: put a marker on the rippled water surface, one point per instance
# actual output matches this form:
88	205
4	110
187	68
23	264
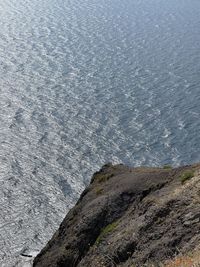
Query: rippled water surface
83	82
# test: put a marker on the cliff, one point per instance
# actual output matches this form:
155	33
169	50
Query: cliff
129	217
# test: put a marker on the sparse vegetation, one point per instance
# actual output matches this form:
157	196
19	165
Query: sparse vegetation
167	167
99	190
105	231
130	220
187	175
103	177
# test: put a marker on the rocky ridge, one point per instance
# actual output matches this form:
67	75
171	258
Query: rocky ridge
129	217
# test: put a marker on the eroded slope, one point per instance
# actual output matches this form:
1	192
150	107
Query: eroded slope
128	217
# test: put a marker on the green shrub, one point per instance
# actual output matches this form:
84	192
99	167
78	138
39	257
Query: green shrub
167	167
105	231
186	176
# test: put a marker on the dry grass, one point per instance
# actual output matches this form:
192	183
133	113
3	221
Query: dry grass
190	260
99	190
185	261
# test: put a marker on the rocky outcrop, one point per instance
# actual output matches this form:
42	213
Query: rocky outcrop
129	217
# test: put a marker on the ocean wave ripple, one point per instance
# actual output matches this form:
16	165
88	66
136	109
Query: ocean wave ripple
83	83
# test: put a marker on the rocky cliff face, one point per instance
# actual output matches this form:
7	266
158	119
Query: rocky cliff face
129	217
